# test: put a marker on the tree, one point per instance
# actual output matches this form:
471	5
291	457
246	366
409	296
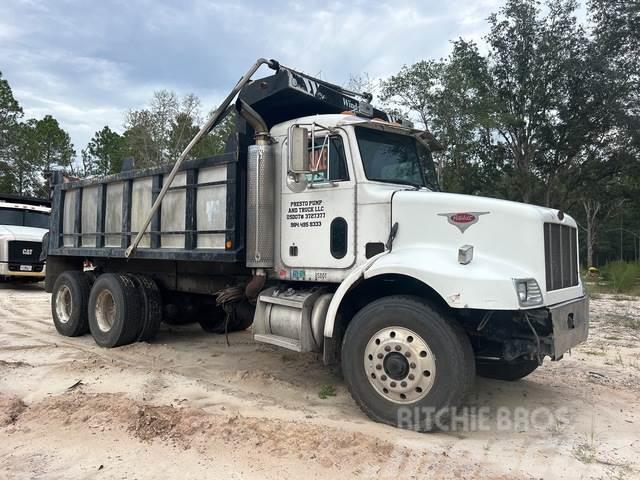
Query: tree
157	135
104	153
153	134
27	165
54	147
413	89
10	113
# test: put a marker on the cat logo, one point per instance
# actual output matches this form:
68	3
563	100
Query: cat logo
27	251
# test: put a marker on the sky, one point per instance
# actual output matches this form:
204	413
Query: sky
88	62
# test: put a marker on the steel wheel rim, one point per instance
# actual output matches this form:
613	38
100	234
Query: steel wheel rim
64	305
105	310
400	365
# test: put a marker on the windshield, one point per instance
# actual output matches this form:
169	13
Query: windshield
395	158
24	218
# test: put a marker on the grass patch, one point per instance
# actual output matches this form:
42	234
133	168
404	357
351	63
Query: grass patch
624	321
587	450
623	276
327	391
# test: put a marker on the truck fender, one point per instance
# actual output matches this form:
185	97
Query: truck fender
484	284
355	276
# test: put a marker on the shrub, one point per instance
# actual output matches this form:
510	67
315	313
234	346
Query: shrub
622	275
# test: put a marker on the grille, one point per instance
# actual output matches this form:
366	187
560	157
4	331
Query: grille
561	256
24	252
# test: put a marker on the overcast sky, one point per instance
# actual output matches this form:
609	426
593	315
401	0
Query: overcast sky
87	62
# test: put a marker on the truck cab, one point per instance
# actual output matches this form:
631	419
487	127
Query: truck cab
364	212
23	224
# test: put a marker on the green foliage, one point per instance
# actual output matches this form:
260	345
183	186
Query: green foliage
622	276
550	115
28	148
104	153
10	113
158	134
327	391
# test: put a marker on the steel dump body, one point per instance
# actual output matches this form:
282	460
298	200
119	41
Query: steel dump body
203	217
200	219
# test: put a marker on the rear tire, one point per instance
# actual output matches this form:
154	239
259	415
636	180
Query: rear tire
69	300
151	303
508	371
406	363
115	310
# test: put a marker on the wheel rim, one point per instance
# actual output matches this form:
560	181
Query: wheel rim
399	365
64	305
105	310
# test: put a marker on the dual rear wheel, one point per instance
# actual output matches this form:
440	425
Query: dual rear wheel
117	309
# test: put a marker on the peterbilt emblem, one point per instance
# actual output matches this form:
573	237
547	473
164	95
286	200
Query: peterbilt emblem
27	251
462	220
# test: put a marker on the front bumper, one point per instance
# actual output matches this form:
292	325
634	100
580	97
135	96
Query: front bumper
11	269
570	322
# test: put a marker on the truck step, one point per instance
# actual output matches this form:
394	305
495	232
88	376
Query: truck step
278	341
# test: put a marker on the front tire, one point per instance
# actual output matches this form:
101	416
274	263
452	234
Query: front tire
69	300
407	363
115	310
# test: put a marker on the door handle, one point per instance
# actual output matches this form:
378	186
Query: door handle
320	185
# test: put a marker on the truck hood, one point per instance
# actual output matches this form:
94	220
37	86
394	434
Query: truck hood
14	232
508	238
456	203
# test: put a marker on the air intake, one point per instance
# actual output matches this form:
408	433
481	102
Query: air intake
561	256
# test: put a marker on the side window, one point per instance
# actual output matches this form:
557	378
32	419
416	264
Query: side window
328	160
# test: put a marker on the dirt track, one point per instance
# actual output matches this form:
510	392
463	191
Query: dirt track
188	406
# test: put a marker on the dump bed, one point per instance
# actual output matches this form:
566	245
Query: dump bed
203	215
200	219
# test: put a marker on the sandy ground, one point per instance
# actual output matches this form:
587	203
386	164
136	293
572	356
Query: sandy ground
188	406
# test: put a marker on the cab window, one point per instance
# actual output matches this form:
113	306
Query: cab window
327	160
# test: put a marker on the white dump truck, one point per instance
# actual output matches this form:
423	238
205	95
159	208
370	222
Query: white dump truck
323	227
23	223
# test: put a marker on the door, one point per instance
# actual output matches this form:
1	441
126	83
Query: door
318	223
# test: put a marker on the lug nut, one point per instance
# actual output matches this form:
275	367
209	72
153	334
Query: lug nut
380	355
393	384
398	348
387	348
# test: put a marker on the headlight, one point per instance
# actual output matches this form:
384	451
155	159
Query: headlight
529	293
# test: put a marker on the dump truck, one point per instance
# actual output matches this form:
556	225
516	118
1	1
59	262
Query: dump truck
24	221
322	227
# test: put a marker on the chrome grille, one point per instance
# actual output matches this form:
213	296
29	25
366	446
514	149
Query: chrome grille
561	256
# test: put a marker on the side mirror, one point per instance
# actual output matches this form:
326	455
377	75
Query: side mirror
299	150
